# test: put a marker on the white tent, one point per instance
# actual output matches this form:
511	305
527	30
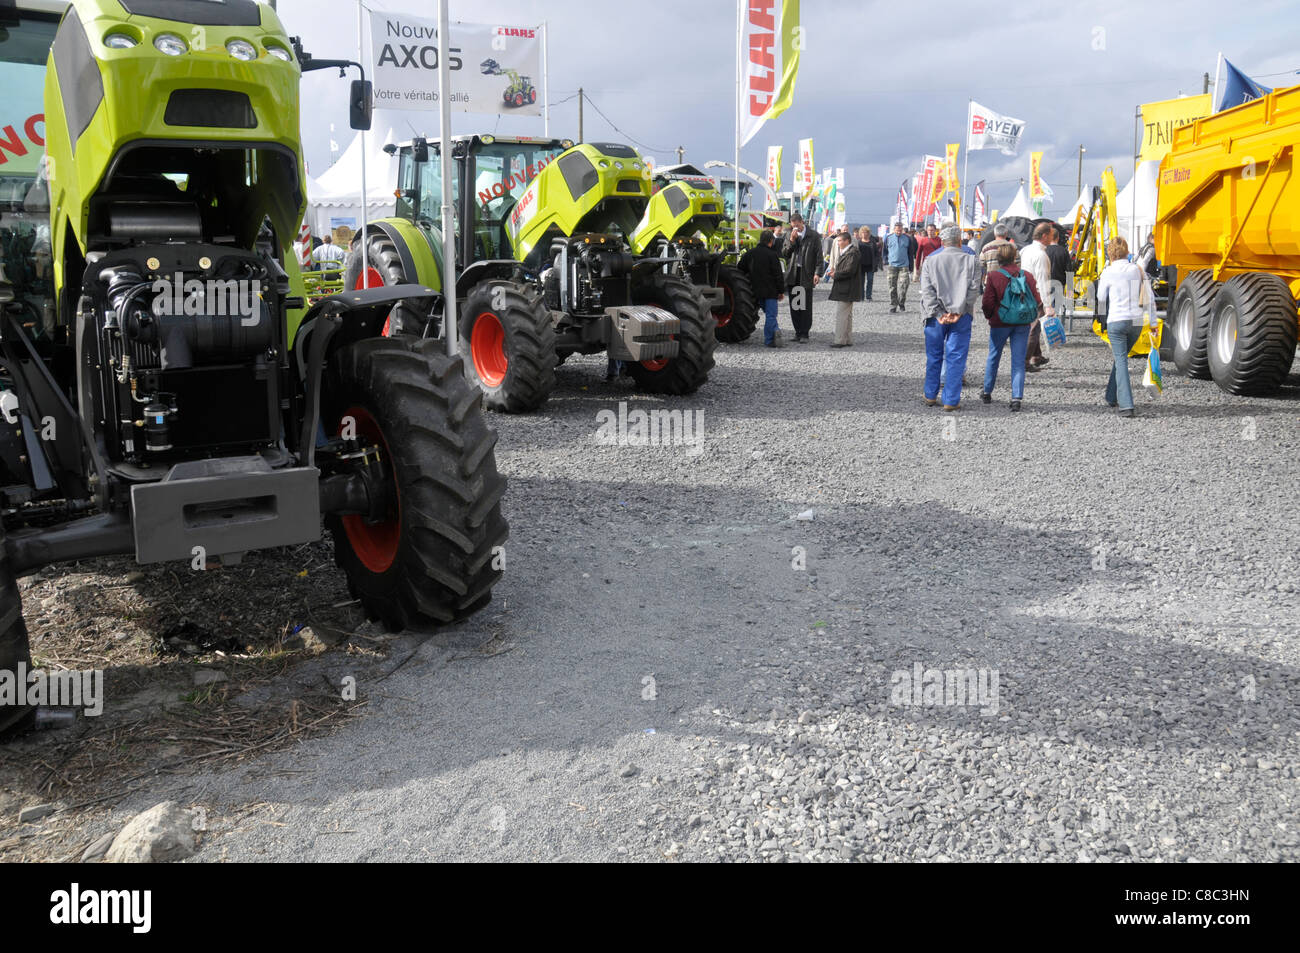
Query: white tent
1082	202
1019	206
1136	204
335	198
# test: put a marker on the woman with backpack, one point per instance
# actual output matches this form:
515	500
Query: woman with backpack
1011	305
1125	294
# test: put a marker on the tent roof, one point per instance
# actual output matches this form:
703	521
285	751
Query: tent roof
1083	201
1137	200
1019	206
343	178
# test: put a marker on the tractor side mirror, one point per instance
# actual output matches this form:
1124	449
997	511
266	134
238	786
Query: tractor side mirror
420	149
361	104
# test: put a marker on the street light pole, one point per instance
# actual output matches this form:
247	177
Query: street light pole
1079	184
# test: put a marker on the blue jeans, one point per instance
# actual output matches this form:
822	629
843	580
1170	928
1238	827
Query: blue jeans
867	283
1018	335
768	307
946	346
1123	335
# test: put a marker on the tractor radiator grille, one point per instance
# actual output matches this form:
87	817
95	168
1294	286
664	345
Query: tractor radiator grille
210	107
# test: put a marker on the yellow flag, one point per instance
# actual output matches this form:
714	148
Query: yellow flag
1036	190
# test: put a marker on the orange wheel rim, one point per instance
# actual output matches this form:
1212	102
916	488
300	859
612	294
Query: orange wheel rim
487	348
375	544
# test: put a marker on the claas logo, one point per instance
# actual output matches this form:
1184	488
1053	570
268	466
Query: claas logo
516	31
977	126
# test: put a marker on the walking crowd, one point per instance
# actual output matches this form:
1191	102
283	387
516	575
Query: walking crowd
1013	288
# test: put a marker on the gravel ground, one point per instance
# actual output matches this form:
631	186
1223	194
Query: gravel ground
676	667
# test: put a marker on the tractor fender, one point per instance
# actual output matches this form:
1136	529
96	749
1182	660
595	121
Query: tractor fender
363	311
421	253
481	271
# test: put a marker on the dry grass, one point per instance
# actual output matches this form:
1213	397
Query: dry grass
110	614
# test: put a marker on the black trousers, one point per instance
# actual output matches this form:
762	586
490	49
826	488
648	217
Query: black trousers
801	318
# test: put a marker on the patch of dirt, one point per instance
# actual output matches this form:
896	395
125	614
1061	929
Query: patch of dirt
199	668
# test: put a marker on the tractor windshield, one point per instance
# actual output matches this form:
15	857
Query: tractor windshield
502	171
26	275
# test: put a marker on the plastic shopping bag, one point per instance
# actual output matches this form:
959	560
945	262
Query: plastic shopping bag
1054	331
1151	378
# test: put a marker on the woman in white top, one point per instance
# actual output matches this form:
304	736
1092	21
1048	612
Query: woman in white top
1125	292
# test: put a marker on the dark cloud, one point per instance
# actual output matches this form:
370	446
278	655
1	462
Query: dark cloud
879	84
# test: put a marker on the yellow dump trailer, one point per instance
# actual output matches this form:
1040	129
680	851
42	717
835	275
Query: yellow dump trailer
1229	218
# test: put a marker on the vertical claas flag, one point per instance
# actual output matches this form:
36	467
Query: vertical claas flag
771	39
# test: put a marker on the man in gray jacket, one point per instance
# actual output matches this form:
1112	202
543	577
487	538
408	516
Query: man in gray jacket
950	289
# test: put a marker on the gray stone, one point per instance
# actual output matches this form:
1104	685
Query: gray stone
161	834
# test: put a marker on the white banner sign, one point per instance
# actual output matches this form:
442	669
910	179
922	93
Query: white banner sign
494	69
986	129
770	41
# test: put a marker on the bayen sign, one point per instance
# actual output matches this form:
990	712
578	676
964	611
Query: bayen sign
494	68
986	129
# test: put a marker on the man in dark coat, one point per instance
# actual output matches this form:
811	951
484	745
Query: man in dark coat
846	288
803	254
767	277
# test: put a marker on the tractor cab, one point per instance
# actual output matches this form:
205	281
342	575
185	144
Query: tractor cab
489	178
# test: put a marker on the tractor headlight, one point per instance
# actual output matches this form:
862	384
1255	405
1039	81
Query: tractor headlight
120	41
169	43
619	166
241	50
603	163
280	53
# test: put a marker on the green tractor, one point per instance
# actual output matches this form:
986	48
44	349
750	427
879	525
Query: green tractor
521	90
681	223
544	266
168	395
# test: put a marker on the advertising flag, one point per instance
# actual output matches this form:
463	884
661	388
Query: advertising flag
916	212
986	129
1160	119
806	161
799	188
770	41
900	210
1036	175
980	205
774	167
1236	88
494	69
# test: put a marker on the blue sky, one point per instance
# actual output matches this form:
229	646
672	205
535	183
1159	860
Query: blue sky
879	84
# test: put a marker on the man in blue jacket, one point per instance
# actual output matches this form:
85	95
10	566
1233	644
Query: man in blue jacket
899	256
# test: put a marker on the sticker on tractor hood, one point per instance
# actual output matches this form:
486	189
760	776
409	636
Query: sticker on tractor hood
524	211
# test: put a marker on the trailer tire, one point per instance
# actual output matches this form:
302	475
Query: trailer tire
1189	317
510	345
1252	337
697	339
436	559
738	317
14	650
384	268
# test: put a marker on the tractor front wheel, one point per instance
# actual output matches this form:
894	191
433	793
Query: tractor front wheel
434	556
384	268
507	334
1252	336
684	373
738	316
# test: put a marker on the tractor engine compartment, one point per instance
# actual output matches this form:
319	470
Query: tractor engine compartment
188	351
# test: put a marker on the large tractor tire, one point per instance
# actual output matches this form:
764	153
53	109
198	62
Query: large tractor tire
697	340
436	556
738	317
384	268
14	719
506	331
1189	321
1252	336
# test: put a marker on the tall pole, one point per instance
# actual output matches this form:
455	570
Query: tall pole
740	32
580	139
546	80
365	206
1078	183
1137	152
965	171
450	325
1205	84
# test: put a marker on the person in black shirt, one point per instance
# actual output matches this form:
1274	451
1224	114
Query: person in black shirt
1059	259
767	278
